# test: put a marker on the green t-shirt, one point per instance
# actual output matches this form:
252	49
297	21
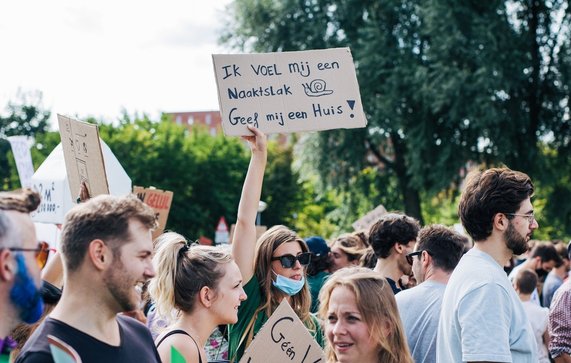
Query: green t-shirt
315	284
246	312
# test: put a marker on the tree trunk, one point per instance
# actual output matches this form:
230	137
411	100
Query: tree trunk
410	195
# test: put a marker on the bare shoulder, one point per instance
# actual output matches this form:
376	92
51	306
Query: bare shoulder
183	344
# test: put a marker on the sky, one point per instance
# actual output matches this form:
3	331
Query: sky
96	58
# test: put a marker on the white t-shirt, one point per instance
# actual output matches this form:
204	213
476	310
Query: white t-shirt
419	310
538	317
482	318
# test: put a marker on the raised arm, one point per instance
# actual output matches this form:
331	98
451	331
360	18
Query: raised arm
244	239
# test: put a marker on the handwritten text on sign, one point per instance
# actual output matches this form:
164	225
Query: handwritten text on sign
283	338
289	91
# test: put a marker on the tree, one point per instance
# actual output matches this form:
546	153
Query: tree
443	82
25	117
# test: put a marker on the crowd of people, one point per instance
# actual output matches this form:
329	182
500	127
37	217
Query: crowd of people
395	293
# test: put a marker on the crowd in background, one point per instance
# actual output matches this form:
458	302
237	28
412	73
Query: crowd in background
397	292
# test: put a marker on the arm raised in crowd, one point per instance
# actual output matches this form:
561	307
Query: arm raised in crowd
244	239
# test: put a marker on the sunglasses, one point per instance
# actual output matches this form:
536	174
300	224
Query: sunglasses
42	252
288	261
416	253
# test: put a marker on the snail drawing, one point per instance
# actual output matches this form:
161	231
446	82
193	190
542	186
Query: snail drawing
316	88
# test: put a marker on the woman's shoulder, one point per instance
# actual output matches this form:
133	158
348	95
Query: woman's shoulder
182	342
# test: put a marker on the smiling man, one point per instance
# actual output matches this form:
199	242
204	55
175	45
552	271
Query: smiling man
482	318
106	247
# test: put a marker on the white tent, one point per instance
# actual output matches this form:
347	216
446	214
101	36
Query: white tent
50	180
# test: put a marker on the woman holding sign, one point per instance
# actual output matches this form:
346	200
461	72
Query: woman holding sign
274	266
361	320
196	288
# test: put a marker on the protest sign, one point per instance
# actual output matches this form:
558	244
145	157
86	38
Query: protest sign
288	91
51	181
83	156
365	222
260	230
283	338
160	201
21	150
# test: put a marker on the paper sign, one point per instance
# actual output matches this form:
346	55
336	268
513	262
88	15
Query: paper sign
160	201
365	222
83	156
283	338
21	150
62	352
288	91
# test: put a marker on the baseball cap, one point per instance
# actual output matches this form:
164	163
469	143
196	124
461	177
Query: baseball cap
317	246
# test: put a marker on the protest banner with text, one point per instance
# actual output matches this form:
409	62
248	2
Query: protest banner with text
83	156
160	201
283	338
288	91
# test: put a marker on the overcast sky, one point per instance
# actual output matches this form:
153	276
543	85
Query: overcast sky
96	57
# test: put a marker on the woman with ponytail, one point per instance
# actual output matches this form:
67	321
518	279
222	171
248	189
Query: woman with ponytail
196	288
273	267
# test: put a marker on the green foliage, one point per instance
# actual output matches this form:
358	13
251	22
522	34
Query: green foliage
25	117
443	83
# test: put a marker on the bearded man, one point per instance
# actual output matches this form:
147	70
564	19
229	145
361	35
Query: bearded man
482	318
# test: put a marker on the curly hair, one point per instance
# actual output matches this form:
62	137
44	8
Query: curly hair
390	229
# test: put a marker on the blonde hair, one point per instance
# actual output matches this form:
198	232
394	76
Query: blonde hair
265	247
352	245
182	270
377	306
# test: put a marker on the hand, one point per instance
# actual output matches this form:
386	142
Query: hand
258	142
83	193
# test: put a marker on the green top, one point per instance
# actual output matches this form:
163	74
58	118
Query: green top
315	284
246	312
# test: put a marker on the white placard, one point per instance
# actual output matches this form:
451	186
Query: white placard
288	91
21	150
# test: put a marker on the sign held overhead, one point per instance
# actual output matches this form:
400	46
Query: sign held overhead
288	91
83	156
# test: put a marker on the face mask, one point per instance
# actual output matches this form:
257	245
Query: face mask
25	294
287	285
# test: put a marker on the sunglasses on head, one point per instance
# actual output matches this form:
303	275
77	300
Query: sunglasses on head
42	252
288	261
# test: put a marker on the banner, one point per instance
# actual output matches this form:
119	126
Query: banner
288	91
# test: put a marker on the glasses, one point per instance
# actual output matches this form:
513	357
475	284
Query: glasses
288	261
416	253
42	252
530	216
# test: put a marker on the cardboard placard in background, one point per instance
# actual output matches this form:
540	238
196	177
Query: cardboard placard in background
21	150
283	338
288	91
83	156
259	231
365	222
160	201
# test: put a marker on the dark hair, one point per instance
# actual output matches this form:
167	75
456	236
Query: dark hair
526	281
496	190
390	229
546	252
445	245
104	217
369	259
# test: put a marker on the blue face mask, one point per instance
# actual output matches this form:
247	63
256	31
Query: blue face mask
25	294
287	285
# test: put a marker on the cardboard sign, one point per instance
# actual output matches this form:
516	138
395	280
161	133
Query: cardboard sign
260	230
365	222
288	91
160	201
83	156
283	338
21	150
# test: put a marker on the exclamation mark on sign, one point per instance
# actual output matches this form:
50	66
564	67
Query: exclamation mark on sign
351	104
